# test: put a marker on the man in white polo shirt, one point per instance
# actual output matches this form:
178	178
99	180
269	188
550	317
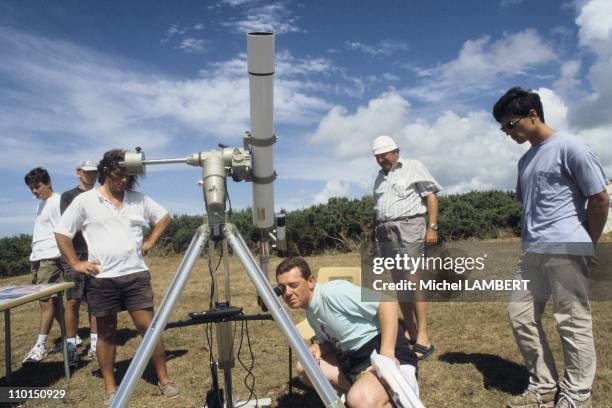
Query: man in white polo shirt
111	219
404	191
45	256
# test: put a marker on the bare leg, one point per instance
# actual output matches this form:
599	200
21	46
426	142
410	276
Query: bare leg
106	350
410	325
414	311
142	319
71	315
329	366
93	325
48	310
368	392
421	319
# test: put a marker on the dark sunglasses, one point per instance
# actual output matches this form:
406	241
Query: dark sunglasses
511	124
118	174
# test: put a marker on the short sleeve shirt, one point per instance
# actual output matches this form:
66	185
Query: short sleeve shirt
338	316
114	236
555	178
78	241
43	239
400	193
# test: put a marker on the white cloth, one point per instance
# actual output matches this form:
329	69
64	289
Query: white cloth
400	193
400	382
43	240
114	235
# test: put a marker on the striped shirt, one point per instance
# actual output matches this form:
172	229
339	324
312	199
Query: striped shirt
401	192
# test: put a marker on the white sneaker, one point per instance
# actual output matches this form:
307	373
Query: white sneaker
91	354
79	340
73	356
35	355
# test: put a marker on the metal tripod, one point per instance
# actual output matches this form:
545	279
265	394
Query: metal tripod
264	290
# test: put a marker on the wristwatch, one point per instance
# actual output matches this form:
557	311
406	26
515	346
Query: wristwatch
433	227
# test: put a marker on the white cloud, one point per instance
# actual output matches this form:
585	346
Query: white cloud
61	100
481	63
569	81
508	3
192	45
259	16
236	3
462	152
333	188
555	109
590	108
351	134
385	47
595	25
182	38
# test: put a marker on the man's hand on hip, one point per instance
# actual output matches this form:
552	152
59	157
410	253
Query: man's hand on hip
89	268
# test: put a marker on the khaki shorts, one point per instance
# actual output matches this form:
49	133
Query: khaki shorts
47	271
401	237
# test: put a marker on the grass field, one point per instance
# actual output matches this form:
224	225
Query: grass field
476	364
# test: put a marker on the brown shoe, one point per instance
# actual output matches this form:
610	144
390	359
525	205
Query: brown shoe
531	399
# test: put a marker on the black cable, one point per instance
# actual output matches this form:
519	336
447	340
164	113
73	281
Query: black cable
212	280
249	370
211	356
229	201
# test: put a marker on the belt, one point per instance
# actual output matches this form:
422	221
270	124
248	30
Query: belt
411	217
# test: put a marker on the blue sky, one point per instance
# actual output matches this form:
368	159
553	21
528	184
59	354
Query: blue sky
80	77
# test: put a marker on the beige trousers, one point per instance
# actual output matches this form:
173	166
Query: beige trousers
565	277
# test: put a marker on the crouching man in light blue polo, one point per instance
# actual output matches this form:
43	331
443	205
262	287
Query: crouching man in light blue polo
347	331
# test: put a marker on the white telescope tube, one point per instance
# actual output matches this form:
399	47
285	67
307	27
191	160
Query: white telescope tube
260	56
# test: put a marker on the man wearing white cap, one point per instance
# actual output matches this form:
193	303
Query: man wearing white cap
404	191
87	173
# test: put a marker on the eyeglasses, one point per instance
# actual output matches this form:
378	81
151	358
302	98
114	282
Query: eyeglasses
511	124
118	174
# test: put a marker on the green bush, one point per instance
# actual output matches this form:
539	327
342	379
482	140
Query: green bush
340	225
15	255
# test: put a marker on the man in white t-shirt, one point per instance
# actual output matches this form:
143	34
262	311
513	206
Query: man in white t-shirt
45	256
111	218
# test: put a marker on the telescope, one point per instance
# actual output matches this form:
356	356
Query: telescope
252	162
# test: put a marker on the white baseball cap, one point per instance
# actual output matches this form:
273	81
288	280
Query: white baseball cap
383	144
87	165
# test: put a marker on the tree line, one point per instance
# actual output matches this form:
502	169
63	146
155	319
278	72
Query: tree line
340	225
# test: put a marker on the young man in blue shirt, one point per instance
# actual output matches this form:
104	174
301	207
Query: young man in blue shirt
562	187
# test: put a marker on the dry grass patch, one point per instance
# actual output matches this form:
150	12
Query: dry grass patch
476	364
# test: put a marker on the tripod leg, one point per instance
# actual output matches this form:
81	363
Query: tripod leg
317	378
158	324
